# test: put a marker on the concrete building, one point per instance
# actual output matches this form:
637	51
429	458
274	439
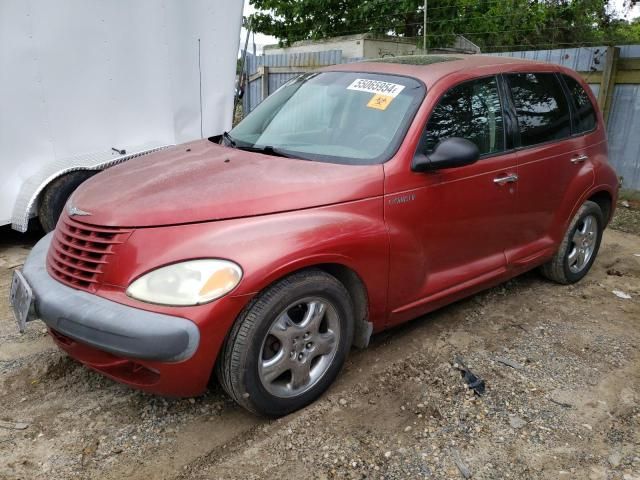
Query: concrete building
363	45
368	45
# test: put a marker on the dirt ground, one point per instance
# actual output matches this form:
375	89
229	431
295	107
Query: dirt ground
562	400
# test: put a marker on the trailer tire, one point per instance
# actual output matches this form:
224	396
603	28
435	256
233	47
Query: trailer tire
55	196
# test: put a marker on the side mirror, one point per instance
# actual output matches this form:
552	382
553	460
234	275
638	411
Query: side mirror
450	153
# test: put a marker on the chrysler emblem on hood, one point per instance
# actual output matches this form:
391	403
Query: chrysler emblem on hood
73	211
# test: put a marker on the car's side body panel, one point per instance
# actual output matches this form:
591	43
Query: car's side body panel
547	180
449	231
594	146
439	220
552	177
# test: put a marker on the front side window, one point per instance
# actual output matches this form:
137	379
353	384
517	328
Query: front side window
585	118
541	107
471	110
342	117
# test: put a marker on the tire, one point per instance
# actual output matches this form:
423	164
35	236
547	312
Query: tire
265	373
568	265
55	196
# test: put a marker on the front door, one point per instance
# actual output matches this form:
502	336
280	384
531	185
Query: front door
450	229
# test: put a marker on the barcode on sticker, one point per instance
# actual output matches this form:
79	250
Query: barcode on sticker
376	86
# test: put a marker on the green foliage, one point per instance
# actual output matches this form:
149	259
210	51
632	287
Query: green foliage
624	33
493	25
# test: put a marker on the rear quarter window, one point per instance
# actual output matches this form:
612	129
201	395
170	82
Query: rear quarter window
585	117
541	107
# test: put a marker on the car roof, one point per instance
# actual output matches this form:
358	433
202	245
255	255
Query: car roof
431	68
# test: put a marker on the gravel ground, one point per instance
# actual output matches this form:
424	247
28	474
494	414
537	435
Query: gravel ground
627	218
562	397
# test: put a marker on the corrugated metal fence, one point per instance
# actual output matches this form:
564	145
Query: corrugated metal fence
624	134
267	73
280	69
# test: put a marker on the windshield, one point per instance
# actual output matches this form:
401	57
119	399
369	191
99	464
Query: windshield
343	117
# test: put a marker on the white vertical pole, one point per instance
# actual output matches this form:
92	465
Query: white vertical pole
424	31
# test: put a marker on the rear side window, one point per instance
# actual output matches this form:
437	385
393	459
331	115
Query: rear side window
541	107
471	110
585	118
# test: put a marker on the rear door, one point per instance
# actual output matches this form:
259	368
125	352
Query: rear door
552	163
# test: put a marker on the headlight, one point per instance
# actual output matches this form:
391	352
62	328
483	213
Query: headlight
187	283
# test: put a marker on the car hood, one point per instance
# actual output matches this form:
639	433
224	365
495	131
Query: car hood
202	181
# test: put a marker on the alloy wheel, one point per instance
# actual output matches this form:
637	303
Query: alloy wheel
583	244
299	347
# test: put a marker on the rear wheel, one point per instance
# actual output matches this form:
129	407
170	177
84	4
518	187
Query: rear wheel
579	246
289	345
55	196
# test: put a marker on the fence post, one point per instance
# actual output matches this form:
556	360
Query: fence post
607	84
264	80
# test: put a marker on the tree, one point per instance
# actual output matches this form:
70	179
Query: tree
623	32
491	24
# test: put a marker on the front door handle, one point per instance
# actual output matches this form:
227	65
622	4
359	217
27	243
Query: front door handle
580	159
512	177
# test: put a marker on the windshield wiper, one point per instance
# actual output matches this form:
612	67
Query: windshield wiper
267	150
229	139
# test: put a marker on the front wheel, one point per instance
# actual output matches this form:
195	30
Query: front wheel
579	247
289	345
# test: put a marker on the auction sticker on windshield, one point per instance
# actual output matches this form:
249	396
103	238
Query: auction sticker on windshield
387	89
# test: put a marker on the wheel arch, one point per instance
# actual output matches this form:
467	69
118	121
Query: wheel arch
602	194
351	280
605	201
359	296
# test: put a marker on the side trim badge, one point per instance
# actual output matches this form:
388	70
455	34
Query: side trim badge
399	200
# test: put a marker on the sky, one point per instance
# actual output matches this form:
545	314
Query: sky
261	40
635	11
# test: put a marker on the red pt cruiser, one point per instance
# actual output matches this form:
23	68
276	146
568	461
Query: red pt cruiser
351	200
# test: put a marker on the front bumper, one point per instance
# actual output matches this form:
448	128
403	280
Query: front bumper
105	325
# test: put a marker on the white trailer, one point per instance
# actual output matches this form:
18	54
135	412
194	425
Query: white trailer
85	84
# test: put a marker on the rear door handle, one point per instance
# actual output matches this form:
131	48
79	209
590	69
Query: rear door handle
580	159
512	177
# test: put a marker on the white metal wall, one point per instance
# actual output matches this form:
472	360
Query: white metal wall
78	77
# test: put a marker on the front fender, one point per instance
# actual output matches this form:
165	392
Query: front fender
270	247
